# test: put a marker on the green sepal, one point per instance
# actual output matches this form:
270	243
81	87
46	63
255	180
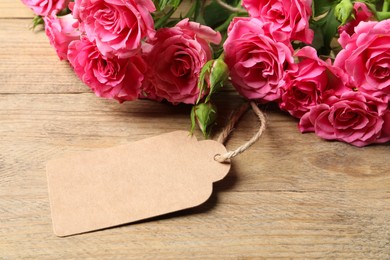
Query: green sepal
37	21
212	76
202	83
217	77
203	115
343	11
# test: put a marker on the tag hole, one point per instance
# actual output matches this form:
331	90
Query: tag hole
216	157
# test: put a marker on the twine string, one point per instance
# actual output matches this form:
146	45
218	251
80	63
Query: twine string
230	127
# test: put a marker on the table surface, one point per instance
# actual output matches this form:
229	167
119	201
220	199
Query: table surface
290	195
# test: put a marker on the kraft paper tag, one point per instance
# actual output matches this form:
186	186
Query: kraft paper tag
151	177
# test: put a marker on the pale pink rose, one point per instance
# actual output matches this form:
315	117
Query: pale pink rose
310	82
257	62
61	31
290	16
366	57
354	117
116	26
113	78
361	13
46	7
175	59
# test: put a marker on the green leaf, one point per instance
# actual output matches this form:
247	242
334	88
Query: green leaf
343	11
383	15
165	9
214	15
162	4
162	21
386	6
318	41
175	3
198	13
321	7
330	27
325	30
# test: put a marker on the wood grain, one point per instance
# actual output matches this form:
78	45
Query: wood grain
289	196
14	9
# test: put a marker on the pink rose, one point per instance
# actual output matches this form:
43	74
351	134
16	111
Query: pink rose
291	17
256	61
310	82
361	14
46	7
366	57
116	26
115	78
356	118
61	31
175	59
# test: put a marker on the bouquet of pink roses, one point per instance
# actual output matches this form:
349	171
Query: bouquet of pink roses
326	62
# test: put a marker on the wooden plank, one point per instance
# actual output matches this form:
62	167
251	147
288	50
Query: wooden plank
14	9
290	195
30	64
309	199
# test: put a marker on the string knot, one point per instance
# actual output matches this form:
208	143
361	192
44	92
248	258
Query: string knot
230	126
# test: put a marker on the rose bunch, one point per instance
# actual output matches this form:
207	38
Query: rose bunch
324	62
113	47
360	114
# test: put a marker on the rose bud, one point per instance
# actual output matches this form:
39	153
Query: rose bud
204	116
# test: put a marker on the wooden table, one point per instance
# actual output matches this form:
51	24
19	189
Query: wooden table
290	195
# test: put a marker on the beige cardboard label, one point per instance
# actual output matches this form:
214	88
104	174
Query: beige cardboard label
109	187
